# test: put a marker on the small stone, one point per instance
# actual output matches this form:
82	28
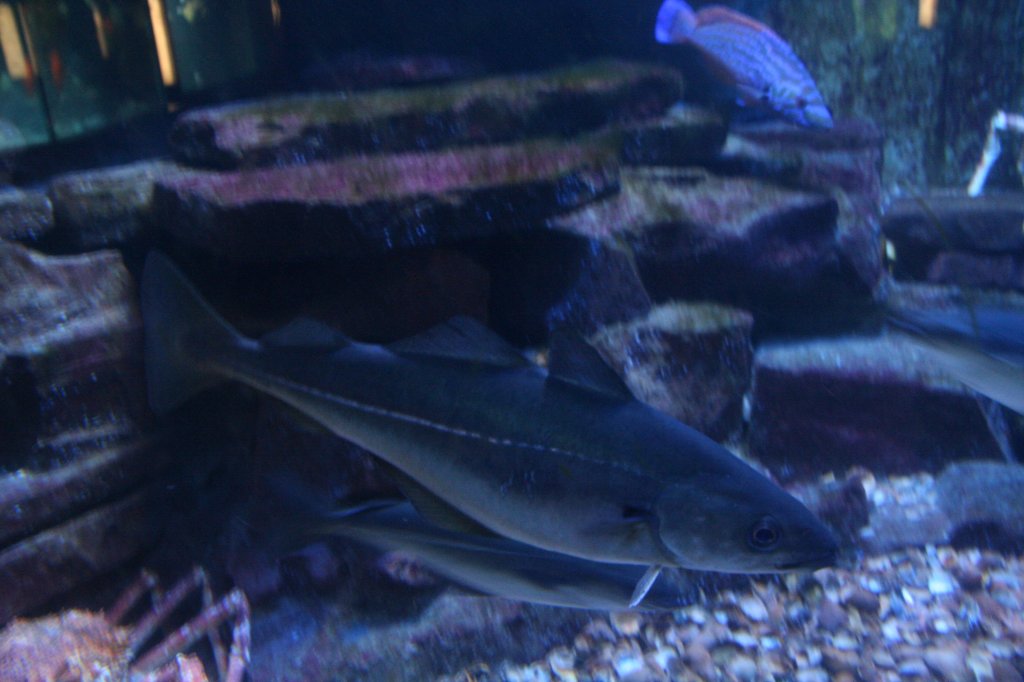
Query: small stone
940	582
836	661
753	608
742	667
883	659
812	675
700	660
1004	671
744	640
980	666
969	578
831	616
627	663
864	601
948	663
627	623
913	667
697	615
663	658
563	663
530	673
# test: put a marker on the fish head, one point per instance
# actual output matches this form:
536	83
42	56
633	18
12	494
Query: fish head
738	524
800	102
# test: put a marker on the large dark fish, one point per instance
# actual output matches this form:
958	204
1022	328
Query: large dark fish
565	460
748	56
501	567
981	345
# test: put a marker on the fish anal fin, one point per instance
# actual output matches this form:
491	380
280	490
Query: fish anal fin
644	585
574	361
464	339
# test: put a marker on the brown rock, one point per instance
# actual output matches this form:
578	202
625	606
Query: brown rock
70	358
52	562
689	360
1004	671
948	663
864	601
831	615
103	208
983	497
969	577
870	402
374	204
984	271
25	216
837	662
846	163
687	135
989	223
738	240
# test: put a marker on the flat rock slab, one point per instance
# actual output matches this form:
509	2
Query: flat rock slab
969	269
33	500
298	130
983	498
25	216
947	221
950	238
696	235
871	402
374	204
692	361
687	135
103	208
53	562
845	162
451	633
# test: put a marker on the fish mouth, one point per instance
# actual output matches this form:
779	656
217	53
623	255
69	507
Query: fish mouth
821	560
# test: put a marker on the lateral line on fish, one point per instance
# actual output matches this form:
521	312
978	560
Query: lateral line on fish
247	370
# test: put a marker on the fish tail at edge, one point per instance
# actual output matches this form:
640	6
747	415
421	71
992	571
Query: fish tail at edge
172	309
676	21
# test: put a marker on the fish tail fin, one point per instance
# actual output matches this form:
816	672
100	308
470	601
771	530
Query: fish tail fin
675	23
173	311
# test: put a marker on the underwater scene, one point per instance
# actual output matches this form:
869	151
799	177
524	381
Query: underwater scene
574	340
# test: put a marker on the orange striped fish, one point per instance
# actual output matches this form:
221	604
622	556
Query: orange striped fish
748	56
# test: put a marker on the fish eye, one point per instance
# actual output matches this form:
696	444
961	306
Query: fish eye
765	534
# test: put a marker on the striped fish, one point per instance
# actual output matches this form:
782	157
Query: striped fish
748	56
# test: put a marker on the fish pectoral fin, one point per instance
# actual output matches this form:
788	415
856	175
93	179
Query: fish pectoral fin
433	508
304	332
461	338
574	361
644	585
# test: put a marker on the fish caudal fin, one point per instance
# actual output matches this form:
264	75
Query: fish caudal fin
675	23
174	313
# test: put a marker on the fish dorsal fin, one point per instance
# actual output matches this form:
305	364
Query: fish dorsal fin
461	338
304	332
574	361
433	508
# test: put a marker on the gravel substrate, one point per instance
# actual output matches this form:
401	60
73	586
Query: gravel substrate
932	614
